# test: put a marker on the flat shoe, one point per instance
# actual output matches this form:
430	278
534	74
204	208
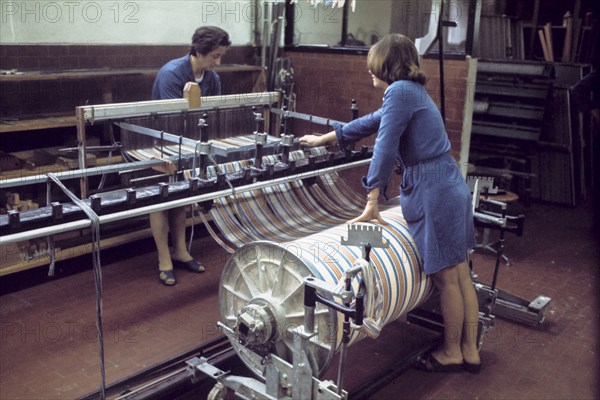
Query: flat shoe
191	265
472	368
167	277
428	363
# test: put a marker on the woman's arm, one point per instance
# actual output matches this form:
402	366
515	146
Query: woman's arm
371	211
317	139
346	133
395	115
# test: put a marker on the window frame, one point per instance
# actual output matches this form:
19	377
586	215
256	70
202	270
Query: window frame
471	42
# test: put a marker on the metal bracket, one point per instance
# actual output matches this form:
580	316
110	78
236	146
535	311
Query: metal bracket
360	234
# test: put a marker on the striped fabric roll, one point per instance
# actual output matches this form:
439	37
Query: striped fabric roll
272	273
286	232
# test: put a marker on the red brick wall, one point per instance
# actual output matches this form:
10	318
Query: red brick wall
34	98
326	84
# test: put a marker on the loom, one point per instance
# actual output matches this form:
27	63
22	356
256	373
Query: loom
296	267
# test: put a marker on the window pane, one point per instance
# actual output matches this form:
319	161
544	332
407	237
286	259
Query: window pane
371	21
319	25
322	25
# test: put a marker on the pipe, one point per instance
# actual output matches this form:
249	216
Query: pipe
104	219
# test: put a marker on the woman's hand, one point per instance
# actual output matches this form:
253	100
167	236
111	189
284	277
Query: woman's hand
371	212
317	139
311	140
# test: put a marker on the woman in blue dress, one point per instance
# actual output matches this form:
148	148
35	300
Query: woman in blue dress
435	199
209	44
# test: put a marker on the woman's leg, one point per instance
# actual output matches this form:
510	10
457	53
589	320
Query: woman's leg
453	314
177	219
160	232
470	351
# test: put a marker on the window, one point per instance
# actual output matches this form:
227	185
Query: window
340	29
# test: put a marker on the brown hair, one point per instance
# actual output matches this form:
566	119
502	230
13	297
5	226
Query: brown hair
395	58
207	39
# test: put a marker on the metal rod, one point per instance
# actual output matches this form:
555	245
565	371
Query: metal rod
52	230
440	35
104	112
345	336
157	134
80	173
305	117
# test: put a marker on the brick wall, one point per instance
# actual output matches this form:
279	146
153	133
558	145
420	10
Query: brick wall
326	84
34	98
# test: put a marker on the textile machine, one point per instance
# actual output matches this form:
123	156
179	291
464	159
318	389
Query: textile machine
301	285
190	156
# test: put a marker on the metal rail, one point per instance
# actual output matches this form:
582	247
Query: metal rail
158	380
118	216
213	149
305	117
86	172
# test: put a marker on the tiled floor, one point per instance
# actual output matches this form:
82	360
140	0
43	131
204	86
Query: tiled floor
48	347
557	257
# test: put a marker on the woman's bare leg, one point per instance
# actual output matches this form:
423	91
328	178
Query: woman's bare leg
160	232
453	314
469	348
177	221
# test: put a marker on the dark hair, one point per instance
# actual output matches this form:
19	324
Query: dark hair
395	58
207	38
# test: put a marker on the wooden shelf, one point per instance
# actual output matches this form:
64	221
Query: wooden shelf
105	73
87	248
31	124
71	252
75	74
24	172
105	76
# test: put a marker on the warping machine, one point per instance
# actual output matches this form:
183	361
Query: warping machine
301	285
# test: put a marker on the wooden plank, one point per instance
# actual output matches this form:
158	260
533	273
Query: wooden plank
38	123
566	55
549	42
544	45
103	73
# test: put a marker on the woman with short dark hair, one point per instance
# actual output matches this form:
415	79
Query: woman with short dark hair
209	44
208	38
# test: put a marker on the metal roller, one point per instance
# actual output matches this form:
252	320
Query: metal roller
262	291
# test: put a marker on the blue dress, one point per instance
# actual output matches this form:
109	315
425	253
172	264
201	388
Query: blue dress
435	199
173	76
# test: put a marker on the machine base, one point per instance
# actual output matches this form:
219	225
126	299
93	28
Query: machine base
521	310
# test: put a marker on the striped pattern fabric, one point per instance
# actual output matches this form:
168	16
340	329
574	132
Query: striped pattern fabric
308	221
157	151
285	211
274	271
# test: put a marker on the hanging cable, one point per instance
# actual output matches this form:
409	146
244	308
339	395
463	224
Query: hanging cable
95	231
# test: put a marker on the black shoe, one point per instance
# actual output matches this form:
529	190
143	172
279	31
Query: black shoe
191	265
428	363
472	368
